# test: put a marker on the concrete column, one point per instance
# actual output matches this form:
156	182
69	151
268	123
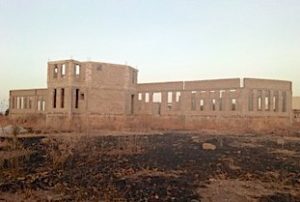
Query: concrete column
244	100
164	103
255	100
150	103
280	101
225	99
197	100
58	99
174	104
70	99
185	102
142	102
271	101
207	104
263	101
289	101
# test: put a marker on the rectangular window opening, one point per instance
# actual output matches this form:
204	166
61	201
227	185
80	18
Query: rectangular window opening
201	105
156	97
170	97
147	97
63	70
213	104
284	108
267	103
233	104
77	70
132	104
39	105
178	94
170	100
54	98
55	71
43	105
140	96
62	97
76	98
193	101
259	103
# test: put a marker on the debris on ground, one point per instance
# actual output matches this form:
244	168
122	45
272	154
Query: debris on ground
208	146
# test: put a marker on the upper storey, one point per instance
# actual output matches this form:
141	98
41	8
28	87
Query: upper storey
91	74
66	73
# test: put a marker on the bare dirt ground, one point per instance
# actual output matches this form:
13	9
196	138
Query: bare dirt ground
173	166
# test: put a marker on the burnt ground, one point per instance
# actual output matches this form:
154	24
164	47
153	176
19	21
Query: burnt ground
162	167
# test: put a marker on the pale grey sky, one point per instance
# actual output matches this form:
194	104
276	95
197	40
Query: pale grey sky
165	39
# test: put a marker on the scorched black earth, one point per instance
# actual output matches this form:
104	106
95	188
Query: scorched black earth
162	167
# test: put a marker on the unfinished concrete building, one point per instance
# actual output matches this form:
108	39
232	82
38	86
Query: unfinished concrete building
102	95
296	109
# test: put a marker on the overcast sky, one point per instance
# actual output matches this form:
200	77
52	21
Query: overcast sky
165	39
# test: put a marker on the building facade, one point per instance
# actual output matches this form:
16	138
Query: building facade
296	108
95	94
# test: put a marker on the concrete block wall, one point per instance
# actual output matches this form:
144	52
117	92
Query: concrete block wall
109	94
225	97
24	102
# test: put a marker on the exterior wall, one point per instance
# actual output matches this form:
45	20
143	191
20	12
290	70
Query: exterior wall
257	97
28	102
96	88
102	95
296	103
296	109
111	88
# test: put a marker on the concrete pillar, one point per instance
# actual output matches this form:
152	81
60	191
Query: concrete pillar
185	102
255	100
150	103
207	102
271	101
263	101
280	101
174	104
164	103
225	100
197	100
142	103
289	101
244	100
